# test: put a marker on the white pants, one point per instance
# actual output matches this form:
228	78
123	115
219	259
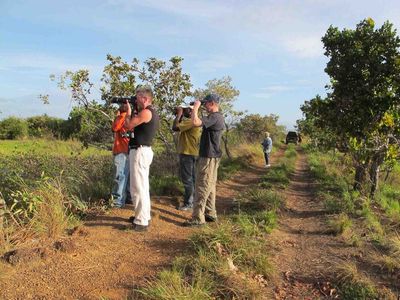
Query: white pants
139	161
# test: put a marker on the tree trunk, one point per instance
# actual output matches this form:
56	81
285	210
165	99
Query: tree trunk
374	173
360	177
227	151
2	216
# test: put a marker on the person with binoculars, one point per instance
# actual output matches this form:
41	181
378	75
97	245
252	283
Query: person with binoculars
188	150
208	162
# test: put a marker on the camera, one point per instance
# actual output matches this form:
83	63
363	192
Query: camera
122	100
128	134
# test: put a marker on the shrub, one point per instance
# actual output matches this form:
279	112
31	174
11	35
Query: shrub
13	128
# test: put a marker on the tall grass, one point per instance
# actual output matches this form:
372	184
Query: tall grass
43	211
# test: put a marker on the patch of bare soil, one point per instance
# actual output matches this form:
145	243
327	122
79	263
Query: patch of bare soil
105	257
305	251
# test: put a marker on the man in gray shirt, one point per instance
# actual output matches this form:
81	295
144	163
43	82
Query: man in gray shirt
209	158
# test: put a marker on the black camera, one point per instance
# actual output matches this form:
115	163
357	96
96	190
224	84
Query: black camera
121	100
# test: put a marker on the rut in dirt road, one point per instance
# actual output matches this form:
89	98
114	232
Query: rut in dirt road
305	248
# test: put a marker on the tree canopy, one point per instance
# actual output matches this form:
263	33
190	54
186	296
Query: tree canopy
361	110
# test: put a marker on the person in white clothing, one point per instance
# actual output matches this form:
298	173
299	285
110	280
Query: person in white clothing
144	125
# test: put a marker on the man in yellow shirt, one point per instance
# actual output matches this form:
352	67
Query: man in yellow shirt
188	150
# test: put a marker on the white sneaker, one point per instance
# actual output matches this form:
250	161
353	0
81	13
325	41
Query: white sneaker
267	166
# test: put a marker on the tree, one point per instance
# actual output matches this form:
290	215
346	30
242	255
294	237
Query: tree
228	94
253	127
169	83
362	108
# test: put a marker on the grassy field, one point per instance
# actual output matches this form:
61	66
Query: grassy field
42	146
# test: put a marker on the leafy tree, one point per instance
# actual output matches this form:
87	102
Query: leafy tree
228	95
13	128
362	106
313	125
169	83
253	127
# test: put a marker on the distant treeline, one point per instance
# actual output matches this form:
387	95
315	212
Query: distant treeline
44	126
92	128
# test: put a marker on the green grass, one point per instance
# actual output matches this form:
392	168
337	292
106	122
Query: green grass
388	198
42	146
353	284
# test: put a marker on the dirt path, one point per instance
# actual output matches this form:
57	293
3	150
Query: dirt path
306	251
104	258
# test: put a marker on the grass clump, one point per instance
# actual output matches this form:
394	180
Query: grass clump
353	284
171	285
340	224
44	210
259	200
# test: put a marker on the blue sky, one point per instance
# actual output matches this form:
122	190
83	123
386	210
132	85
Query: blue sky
271	49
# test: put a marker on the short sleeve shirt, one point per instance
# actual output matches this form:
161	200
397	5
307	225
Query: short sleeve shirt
189	138
210	141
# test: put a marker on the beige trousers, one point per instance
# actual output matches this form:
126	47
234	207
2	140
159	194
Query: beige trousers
205	189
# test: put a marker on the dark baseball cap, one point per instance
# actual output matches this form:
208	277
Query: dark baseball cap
211	98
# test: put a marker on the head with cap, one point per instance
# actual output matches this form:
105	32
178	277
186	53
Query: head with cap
211	102
144	95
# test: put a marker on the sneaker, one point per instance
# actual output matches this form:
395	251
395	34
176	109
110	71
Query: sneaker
186	207
267	166
210	219
192	223
140	228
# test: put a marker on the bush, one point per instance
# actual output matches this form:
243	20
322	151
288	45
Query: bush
45	126
13	128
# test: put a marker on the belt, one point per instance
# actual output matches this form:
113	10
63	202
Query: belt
138	146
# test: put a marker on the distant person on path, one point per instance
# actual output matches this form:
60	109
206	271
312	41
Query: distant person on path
267	148
144	125
121	159
209	158
188	150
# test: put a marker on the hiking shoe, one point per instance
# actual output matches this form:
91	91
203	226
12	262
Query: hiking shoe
186	207
210	219
132	220
140	228
192	223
